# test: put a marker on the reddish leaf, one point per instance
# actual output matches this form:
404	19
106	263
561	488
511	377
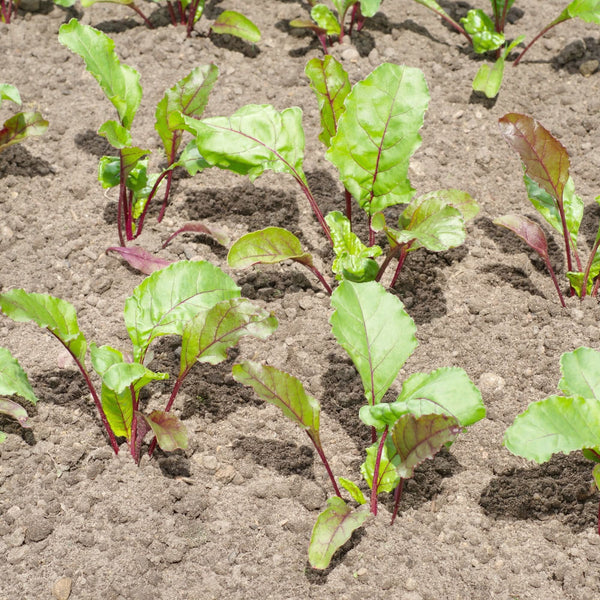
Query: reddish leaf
140	259
529	231
214	232
170	432
545	159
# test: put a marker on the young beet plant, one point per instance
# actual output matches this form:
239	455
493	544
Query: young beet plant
552	192
370	132
487	34
431	410
193	300
22	124
128	171
326	23
564	423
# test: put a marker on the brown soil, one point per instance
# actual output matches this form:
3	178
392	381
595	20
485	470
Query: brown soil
231	517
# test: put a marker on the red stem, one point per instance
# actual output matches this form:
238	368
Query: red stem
140	222
555	281
172	15
139	12
535	39
375	484
133	440
348	196
397	497
325	464
401	259
320	277
589	266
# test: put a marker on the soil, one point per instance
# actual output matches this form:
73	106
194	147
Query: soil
231	517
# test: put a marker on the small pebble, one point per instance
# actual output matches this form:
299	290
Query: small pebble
61	589
589	67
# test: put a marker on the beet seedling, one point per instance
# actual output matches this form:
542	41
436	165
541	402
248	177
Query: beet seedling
193	300
552	192
370	130
21	125
431	410
564	423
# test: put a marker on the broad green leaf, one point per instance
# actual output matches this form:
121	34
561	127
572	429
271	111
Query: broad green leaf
118	137
580	373
544	158
330	83
20	127
191	160
104	357
555	424
254	139
354	491
369	7
418	438
14	410
586	10
119	82
54	314
267	246
121	376
447	391
9	92
118	409
489	79
458	199
166	300
284	391
188	96
482	31
376	332
208	336
65	3
170	432
134	169
387	479
13	380
334	527
234	23
354	261
529	231
325	19
378	133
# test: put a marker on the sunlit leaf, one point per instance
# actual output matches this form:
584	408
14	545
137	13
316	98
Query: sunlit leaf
325	19
170	432
529	231
21	126
234	23
354	491
13	380
580	373
140	259
482	31
387	479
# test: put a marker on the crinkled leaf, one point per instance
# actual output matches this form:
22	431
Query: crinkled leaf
354	491
387	479
354	261
458	199
254	139
447	390
376	332
188	96
170	432
529	231
134	169
140	259
14	410
13	380
334	527
267	246
119	82
214	231
545	159
20	127
482	31
54	314
284	391
166	300
555	424
208	336
118	137
325	19
378	133
418	438
234	23
580	373
9	92
330	83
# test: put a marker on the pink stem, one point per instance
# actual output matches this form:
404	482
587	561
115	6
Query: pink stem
375	484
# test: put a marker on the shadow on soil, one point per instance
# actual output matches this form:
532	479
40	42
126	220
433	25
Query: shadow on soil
18	161
563	486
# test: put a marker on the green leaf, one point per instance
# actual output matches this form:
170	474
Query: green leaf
580	373
267	246
122	375
118	409
489	79
119	82
334	527
189	97
388	479
170	432
596	475
191	160
555	424
13	380
254	139
376	332
378	133
330	83
325	19
354	491
418	438
104	357
21	126
166	300
447	391
234	23
9	92
482	31
354	261
208	336
54	314
369	7
118	137
586	10
284	391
